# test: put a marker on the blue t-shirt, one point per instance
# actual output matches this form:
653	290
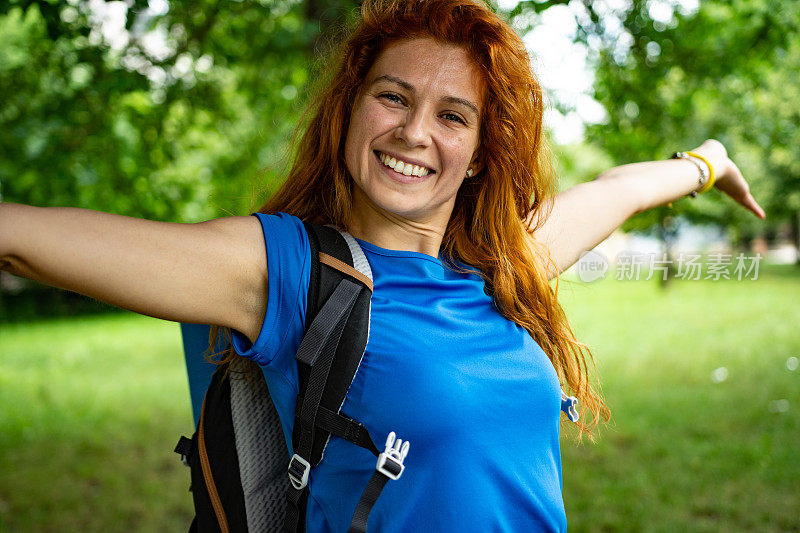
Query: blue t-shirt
472	392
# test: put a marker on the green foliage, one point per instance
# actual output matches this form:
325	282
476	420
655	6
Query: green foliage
727	71
197	127
186	131
577	163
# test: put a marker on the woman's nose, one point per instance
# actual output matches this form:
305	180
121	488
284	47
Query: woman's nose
414	131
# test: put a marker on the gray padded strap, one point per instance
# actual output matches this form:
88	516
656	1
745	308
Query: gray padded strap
261	447
360	262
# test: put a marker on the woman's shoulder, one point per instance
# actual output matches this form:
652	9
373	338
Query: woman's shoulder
282	230
286	248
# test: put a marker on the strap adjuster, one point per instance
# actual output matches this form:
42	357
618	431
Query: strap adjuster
298	472
568	406
390	462
184	448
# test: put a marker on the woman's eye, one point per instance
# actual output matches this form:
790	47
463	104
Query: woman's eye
392	98
453	118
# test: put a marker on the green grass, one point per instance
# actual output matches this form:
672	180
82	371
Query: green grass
92	407
682	452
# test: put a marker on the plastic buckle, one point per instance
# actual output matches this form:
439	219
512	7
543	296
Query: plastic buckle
390	462
568	406
184	448
298	472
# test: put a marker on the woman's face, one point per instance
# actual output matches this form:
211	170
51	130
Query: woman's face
414	130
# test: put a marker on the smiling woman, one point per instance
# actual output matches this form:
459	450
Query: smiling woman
425	143
429	133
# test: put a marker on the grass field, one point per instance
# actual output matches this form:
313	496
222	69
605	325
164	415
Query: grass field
684	452
92	407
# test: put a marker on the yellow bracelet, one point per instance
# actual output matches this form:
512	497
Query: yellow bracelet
711	178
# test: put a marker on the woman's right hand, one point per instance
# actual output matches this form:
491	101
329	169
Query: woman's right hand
729	178
212	272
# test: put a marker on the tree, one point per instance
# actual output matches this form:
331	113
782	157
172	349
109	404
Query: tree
671	78
179	131
724	71
183	131
188	129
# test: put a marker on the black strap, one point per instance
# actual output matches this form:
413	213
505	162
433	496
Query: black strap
320	355
343	427
184	446
329	355
317	350
294	511
332	315
367	501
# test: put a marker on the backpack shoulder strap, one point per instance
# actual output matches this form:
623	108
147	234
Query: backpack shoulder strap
330	354
337	328
339	251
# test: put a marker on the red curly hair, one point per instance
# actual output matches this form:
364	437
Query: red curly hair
490	227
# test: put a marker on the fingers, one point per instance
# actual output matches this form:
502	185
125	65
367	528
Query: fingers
750	203
735	186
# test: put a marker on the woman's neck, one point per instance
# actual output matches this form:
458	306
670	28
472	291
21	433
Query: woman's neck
377	226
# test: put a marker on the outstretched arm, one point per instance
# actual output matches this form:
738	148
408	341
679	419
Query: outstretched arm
210	273
584	215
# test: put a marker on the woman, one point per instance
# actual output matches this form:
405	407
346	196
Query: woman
426	145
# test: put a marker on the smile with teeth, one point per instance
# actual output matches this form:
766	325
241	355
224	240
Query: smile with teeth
402	167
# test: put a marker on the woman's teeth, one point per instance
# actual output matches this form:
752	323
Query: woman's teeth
402	167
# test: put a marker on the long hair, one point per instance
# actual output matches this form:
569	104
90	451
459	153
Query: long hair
492	220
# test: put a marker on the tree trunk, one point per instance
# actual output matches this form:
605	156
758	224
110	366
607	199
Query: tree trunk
667	231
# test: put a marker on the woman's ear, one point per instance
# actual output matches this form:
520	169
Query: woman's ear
476	165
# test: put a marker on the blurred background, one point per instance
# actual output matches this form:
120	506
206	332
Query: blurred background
183	111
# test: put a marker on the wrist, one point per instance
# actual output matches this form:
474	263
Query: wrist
705	176
717	156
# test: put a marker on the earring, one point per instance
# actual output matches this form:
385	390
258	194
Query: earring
469	172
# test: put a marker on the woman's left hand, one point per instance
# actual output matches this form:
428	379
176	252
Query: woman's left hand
729	178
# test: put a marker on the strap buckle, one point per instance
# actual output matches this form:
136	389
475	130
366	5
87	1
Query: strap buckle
568	406
390	462
184	449
298	472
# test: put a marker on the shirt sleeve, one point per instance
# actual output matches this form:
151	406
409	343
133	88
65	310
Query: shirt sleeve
289	270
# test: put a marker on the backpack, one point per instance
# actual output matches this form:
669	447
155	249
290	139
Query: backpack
238	454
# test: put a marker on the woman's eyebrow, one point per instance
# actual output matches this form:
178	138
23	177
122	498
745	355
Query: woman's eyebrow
407	86
401	82
456	100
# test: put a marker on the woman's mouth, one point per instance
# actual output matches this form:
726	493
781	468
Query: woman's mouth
403	167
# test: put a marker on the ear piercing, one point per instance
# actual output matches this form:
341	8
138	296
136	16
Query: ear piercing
469	172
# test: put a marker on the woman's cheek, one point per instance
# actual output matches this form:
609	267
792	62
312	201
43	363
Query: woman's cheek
461	146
